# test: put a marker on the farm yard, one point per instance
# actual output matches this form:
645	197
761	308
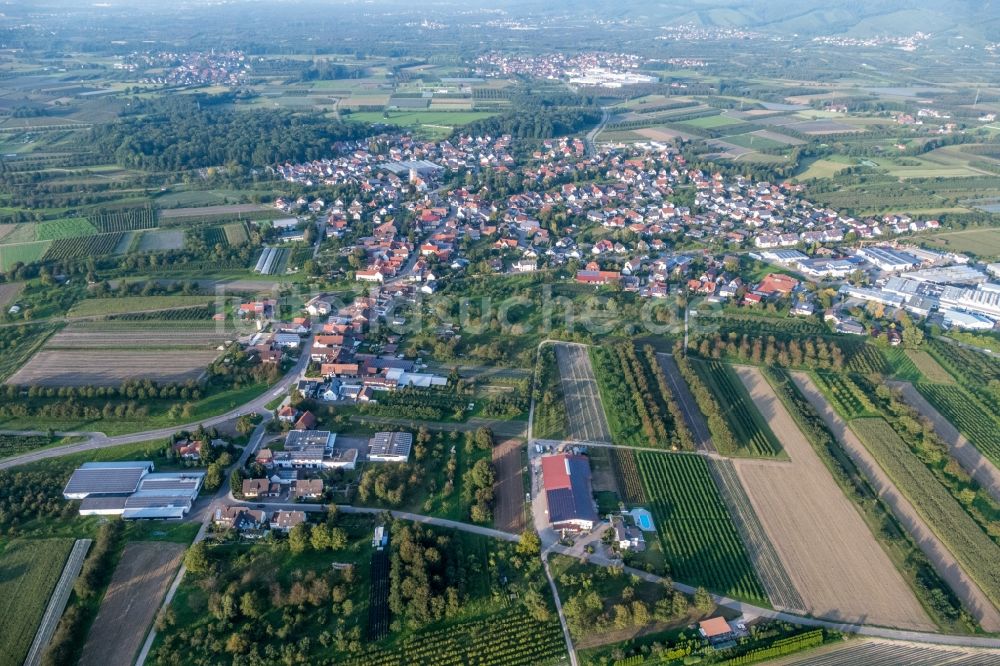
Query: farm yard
111	367
30	570
585	413
835	563
131	601
699	539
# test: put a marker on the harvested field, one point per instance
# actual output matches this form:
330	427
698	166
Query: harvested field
161	239
9	291
148	335
508	487
584	412
876	652
930	368
972	597
131	602
766	563
92	307
111	367
968	456
663	134
833	560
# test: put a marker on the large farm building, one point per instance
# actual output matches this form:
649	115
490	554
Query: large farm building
566	479
132	490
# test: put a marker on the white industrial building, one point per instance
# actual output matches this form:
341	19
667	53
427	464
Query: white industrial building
888	259
966	320
390	446
132	490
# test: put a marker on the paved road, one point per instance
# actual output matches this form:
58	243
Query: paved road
592	134
968	456
100	441
57	602
937	553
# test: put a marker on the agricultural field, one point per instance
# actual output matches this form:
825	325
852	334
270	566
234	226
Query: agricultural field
983	243
84	246
160	239
900	365
770	571
511	638
834	562
24	253
140	335
634	414
976	552
131	602
586	420
95	307
929	368
111	367
65	228
848	398
968	415
699	539
508	512
30	569
711	122
14	445
627	476
750	428
878	652
131	219
9	291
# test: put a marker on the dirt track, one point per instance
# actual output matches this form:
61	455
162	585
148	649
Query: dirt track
940	557
968	456
130	604
509	487
584	412
834	562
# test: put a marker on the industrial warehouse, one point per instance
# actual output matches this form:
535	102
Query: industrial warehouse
132	490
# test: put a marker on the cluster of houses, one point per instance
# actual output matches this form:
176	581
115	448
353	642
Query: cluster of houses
558	66
246	520
228	68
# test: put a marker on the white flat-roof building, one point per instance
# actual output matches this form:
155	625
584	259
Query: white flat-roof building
131	491
966	320
390	446
888	259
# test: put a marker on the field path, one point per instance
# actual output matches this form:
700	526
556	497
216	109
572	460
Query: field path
835	563
940	557
968	456
585	418
692	415
57	602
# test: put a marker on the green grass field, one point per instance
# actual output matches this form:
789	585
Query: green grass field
753	141
29	571
710	122
700	542
901	366
822	168
980	242
24	253
447	119
105	306
65	228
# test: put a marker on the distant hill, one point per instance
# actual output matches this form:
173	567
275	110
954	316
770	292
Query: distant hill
973	19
